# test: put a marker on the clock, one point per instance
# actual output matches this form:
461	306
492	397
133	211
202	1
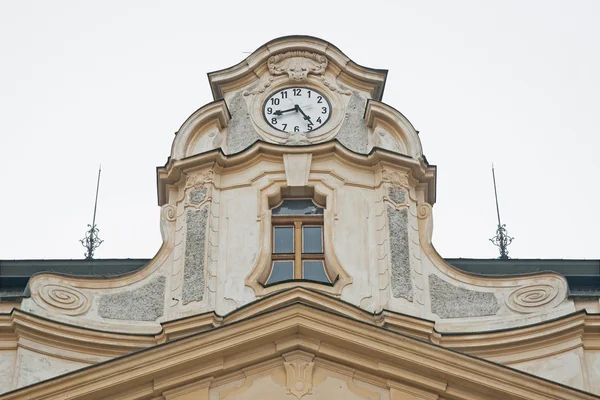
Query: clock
297	110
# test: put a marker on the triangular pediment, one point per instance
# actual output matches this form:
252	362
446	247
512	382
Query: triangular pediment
294	347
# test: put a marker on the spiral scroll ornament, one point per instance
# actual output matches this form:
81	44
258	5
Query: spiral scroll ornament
169	212
529	299
423	211
62	299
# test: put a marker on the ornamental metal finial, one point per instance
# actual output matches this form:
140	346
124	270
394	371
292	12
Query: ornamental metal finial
502	240
92	241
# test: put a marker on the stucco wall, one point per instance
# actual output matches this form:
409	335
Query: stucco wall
32	367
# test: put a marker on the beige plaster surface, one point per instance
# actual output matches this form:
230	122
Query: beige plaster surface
32	367
564	368
7	369
592	362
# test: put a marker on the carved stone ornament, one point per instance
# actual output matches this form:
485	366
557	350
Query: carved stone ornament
299	368
532	298
297	65
395	178
61	299
200	179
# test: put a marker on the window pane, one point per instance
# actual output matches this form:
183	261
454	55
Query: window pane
315	271
297	207
282	271
312	239
283	239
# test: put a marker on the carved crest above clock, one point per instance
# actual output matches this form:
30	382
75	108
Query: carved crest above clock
295	59
297	65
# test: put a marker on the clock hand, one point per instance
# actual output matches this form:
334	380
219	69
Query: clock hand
306	117
280	112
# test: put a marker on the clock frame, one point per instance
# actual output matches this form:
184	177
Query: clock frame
296	109
336	101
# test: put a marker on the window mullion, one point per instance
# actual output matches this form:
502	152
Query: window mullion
298	250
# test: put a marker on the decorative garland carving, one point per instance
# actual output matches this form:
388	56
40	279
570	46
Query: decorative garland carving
529	299
395	178
335	88
297	65
199	179
260	89
62	299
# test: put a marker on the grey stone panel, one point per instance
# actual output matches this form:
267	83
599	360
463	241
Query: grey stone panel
197	195
354	132
193	271
142	304
397	194
241	133
450	301
401	281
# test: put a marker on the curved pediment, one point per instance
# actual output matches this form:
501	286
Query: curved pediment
296	91
201	131
282	57
314	92
391	130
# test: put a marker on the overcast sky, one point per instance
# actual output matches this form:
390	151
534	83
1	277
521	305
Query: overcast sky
513	82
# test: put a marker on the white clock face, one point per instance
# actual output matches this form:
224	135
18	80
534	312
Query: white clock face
297	109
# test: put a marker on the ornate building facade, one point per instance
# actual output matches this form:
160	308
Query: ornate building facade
297	262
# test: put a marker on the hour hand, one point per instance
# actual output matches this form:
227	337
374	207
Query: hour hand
306	117
280	112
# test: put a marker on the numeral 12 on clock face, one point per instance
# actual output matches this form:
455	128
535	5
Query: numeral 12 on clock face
296	110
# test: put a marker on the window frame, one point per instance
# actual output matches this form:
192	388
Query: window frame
298	257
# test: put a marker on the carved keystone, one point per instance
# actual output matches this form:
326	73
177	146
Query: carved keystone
297	168
299	368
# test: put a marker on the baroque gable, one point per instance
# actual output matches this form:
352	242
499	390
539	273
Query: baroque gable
230	170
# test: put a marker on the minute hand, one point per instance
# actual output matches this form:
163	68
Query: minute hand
306	117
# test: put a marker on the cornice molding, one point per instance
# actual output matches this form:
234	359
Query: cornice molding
508	346
328	336
174	170
22	329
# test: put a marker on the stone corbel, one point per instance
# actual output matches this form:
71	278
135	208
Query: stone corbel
299	372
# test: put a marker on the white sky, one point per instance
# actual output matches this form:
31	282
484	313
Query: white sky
513	82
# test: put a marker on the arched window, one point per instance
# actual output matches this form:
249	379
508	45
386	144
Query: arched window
297	242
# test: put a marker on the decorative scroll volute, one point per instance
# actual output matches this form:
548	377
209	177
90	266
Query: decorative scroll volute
535	297
60	299
299	371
